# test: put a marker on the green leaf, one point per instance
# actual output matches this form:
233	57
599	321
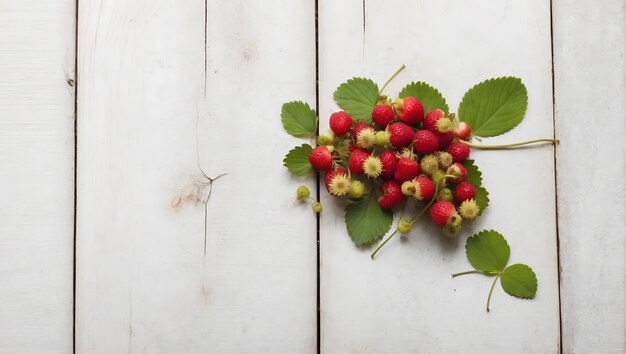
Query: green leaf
366	221
519	280
298	119
297	160
429	96
495	106
482	199
487	251
357	97
474	176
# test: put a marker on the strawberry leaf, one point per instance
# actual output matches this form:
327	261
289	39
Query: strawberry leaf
297	160
357	97
474	176
366	221
494	106
519	280
482	199
487	251
429	96
298	119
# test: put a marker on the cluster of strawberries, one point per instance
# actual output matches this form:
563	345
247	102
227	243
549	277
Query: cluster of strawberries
405	153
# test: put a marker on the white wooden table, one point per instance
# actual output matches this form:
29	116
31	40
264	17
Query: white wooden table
109	110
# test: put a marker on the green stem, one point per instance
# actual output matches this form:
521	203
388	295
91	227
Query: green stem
491	290
384	242
505	146
391	78
468	272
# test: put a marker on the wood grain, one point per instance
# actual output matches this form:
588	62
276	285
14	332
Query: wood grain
37	176
590	82
405	301
165	92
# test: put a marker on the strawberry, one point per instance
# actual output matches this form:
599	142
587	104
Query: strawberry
321	158
337	181
462	131
459	151
340	123
410	110
382	115
469	209
457	170
445	139
407	169
392	195
425	188
425	142
356	159
400	135
360	125
390	163
437	122
441	212
464	191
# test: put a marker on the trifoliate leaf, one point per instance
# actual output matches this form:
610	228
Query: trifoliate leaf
357	97
298	119
429	96
297	160
519	280
482	199
474	176
495	106
366	221
487	251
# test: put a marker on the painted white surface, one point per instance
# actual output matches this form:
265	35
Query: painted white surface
37	176
590	83
144	281
405	300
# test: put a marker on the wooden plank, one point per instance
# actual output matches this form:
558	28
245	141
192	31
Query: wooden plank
37	176
590	104
405	301
157	100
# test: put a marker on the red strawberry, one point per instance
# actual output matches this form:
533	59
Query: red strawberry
464	191
441	212
351	147
329	175
340	123
390	163
360	125
425	188
445	139
458	170
459	151
400	135
410	110
321	158
425	142
436	122
392	195
407	169
356	159
383	115
462	131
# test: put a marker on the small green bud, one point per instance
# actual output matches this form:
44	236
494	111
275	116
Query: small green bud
382	138
445	194
405	226
317	207
302	193
356	189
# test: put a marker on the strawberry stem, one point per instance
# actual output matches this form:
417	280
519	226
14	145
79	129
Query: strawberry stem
505	146
491	290
391	78
384	242
469	272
